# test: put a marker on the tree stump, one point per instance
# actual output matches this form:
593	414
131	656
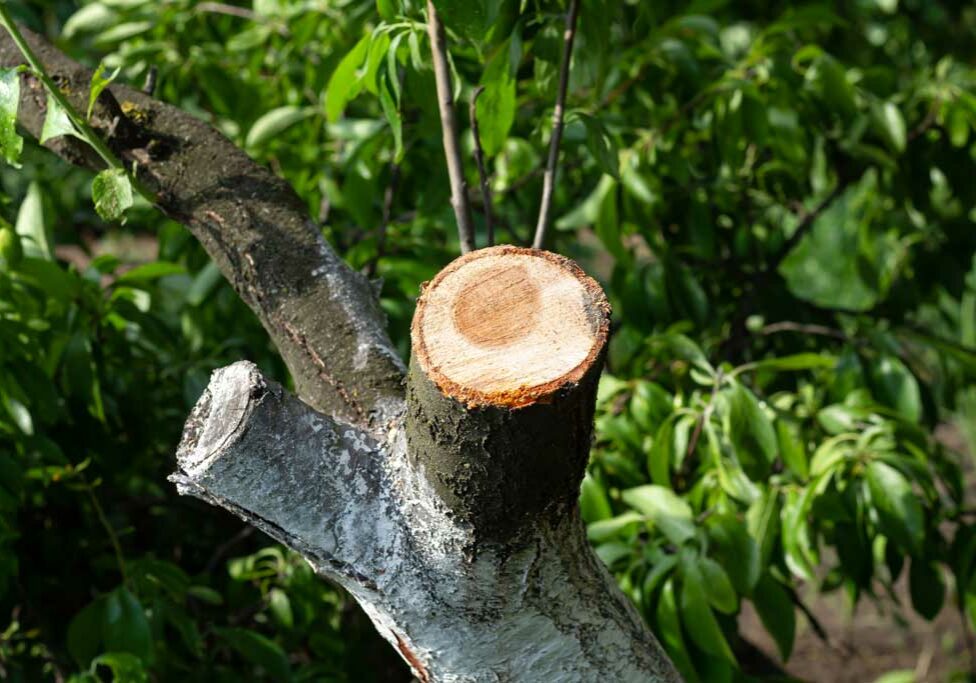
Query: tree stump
455	524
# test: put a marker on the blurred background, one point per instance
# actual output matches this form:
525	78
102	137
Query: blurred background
779	200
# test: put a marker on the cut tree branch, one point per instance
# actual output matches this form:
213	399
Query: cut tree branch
363	515
449	130
321	315
549	178
479	158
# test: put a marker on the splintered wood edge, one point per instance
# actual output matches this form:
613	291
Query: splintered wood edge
597	310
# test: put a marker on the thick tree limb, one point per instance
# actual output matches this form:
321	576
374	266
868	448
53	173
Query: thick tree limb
552	163
544	609
449	130
321	315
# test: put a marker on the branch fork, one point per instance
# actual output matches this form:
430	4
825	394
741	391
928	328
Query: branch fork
455	526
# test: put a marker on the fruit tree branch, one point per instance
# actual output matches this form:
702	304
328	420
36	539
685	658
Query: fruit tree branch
449	130
322	316
549	177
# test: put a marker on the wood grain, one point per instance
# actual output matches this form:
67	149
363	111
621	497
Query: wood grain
509	326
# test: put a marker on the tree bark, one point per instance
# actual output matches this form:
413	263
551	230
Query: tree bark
458	529
455	525
320	314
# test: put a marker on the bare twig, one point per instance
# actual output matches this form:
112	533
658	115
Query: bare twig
449	131
479	158
549	179
705	417
225	547
803	328
109	531
230	10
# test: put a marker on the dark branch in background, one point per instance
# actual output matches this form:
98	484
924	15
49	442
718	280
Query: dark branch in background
449	130
806	222
549	179
388	194
479	158
802	328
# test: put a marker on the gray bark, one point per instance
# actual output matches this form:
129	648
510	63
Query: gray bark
541	607
337	481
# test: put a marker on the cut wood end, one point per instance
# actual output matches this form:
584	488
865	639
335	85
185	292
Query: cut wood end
509	326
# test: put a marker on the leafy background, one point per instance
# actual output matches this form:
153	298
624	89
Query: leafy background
777	198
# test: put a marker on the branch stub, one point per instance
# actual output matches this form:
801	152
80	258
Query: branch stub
509	326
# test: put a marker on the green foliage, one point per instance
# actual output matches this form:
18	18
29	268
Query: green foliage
778	201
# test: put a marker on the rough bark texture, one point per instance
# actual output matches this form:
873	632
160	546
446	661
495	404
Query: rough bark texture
539	608
500	469
322	316
528	601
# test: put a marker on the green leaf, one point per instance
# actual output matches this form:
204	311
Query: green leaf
99	82
662	506
718	586
387	9
659	455
899	510
763	522
697	615
258	650
204	282
831	83
605	529
346	81
11	144
751	432
496	105
19	414
112	193
891	125
11	250
280	607
89	19
125	668
119	33
85	632
469	18
841	262
896	387
601	146
124	626
273	123
151	271
205	594
797	546
799	361
392	113
731	544
669	630
57	122
376	59
32	227
594	505
776	612
791	449
927	588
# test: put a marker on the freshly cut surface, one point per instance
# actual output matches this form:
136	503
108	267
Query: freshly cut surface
509	326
